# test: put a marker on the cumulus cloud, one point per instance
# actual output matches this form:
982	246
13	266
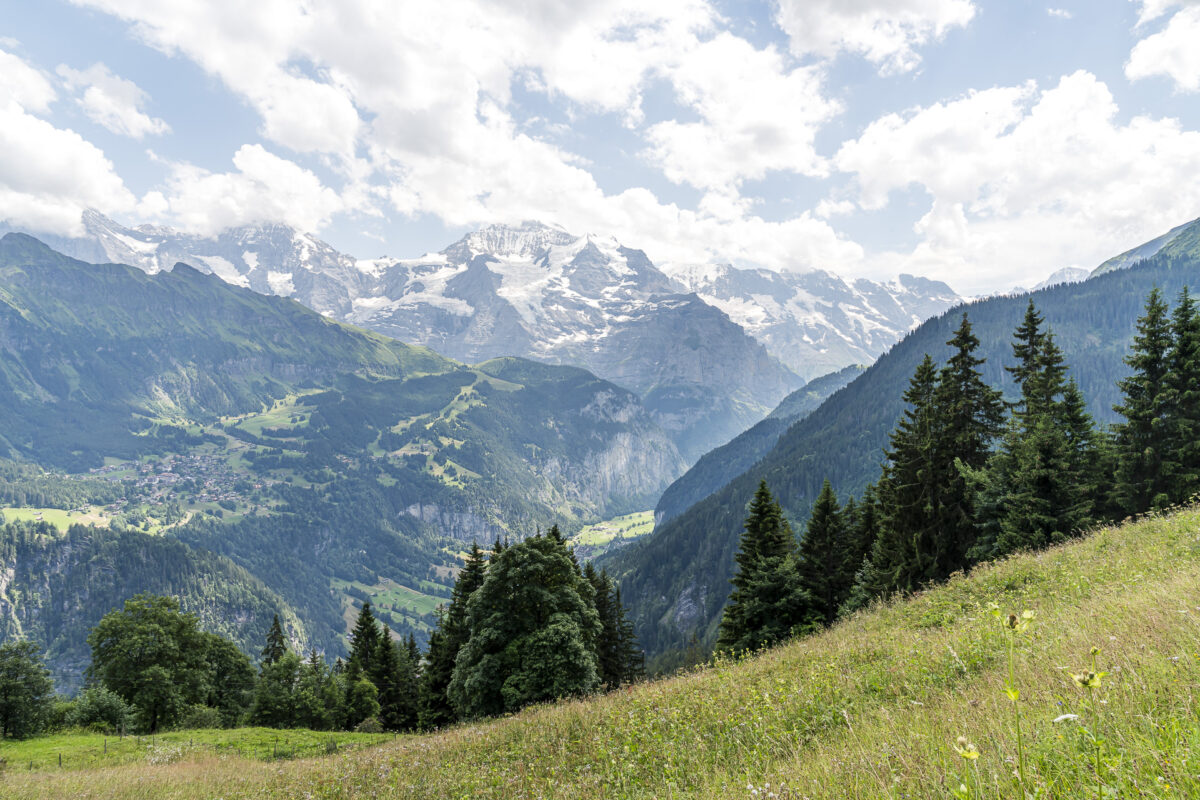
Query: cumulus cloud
1060	13
756	116
1010	169
424	127
23	85
1173	52
886	32
48	175
264	188
112	101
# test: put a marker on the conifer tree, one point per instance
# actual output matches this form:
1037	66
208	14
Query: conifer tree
969	415
630	656
392	675
276	644
608	655
1181	462
1142	439
1027	350
902	558
767	602
448	637
822	565
364	639
863	527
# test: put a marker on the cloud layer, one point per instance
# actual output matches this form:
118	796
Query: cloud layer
480	111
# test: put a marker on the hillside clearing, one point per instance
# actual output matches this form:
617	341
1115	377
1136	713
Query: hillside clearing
870	708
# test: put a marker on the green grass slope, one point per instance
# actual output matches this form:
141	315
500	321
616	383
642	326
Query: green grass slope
870	708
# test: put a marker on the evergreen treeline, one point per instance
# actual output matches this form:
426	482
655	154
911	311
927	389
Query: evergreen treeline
525	625
963	481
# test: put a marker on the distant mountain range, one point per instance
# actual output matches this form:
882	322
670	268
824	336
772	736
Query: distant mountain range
710	350
293	462
676	578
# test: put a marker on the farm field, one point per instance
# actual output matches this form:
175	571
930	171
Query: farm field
593	540
874	707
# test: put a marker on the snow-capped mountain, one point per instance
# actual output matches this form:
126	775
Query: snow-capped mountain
1064	275
816	322
706	347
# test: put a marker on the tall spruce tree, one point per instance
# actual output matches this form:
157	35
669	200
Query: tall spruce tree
970	415
822	566
448	637
630	656
391	673
1181	463
903	556
1027	350
364	639
767	602
608	656
1142	439
276	644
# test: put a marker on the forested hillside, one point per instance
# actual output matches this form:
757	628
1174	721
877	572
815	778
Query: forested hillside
718	467
676	580
333	465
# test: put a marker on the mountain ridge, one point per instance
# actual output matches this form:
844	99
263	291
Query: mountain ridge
538	291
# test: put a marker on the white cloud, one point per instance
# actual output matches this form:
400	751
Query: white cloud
23	85
112	101
48	176
1009	170
756	116
414	104
265	188
886	32
1153	9
1173	52
1060	13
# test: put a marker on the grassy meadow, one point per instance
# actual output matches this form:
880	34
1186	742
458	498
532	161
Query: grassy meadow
874	707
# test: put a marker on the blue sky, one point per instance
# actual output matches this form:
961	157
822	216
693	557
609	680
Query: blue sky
982	142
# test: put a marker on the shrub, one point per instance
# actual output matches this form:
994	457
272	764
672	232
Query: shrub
369	725
200	716
101	710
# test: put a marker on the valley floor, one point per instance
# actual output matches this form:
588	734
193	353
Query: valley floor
871	708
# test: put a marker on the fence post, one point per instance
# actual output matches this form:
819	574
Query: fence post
105	745
60	760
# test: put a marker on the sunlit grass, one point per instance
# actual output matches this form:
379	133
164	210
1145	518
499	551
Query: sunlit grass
874	707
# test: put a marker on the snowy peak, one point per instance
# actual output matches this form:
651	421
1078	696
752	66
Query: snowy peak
1064	275
528	240
816	322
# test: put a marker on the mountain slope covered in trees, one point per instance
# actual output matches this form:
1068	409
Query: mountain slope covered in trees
676	580
331	464
718	467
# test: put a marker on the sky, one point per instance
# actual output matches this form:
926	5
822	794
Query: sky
986	143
